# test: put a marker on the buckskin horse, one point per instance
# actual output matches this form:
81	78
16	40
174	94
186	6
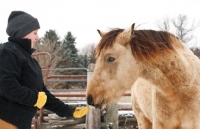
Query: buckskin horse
162	73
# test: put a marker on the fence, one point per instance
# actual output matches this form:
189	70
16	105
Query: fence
111	109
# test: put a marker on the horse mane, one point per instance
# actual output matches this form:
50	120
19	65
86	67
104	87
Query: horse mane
149	45
146	45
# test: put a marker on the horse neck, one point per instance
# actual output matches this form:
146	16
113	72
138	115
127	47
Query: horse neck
169	75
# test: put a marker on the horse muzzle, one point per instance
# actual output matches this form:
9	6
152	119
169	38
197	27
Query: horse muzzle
90	101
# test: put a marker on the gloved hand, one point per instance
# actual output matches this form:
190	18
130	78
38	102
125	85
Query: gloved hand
42	98
80	112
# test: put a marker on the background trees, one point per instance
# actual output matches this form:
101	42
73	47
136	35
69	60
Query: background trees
64	53
183	28
69	51
89	52
180	26
49	43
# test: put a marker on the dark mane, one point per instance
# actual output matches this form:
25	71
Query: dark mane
146	45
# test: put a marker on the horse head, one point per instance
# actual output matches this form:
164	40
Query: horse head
116	69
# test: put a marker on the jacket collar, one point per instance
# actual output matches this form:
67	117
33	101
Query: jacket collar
24	43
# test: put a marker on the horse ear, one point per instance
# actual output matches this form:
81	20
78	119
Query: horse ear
101	33
132	30
128	34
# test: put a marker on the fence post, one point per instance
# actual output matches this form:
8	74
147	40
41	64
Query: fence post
111	116
93	118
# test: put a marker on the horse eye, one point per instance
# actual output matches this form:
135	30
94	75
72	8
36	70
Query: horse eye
110	59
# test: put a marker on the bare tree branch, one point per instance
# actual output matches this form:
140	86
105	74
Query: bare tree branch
89	50
164	24
181	27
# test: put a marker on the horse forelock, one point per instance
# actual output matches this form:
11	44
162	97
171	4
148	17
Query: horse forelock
107	40
146	45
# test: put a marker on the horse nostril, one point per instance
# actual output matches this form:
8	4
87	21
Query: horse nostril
90	100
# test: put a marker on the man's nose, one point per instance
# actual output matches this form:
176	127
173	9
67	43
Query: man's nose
37	38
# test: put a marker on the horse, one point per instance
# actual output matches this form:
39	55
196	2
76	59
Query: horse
162	73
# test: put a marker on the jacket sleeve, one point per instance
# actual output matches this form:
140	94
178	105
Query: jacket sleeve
57	106
10	88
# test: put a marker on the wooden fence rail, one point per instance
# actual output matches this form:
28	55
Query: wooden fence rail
39	117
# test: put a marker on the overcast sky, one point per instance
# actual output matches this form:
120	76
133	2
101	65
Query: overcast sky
84	17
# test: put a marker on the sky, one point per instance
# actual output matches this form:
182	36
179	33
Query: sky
83	17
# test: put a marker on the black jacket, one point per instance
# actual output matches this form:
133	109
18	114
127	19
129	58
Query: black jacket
20	81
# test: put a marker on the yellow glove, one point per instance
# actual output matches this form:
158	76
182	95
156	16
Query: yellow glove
80	112
42	98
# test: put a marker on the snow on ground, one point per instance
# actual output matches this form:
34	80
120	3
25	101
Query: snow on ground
125	113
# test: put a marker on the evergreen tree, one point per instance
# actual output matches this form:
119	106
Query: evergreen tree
53	37
70	58
84	60
69	50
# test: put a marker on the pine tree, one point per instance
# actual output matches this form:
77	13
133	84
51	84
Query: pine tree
70	58
84	60
53	37
69	51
